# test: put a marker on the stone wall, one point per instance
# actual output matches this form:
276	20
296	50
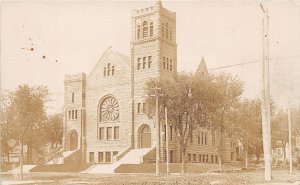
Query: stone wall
98	88
74	100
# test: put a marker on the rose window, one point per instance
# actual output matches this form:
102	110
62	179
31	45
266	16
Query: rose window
109	110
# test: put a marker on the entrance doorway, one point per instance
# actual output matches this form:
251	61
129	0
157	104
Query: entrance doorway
145	140
73	138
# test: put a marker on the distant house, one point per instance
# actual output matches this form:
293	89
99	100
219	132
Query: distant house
282	154
33	158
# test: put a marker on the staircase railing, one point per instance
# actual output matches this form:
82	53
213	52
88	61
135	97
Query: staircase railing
122	154
148	155
55	154
73	157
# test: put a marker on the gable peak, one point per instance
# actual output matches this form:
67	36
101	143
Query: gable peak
202	69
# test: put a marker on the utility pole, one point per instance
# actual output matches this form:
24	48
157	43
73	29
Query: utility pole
1	156
265	99
167	141
290	138
156	94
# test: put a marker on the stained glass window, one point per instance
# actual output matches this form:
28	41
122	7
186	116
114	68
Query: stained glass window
109	109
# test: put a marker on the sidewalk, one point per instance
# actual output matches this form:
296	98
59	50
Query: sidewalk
11	182
16	182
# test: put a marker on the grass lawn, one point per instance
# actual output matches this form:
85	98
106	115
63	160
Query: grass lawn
225	178
60	168
176	167
5	167
197	174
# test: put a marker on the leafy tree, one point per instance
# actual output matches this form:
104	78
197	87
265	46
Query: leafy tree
257	150
54	129
279	130
38	139
25	114
194	102
248	126
4	99
175	98
295	114
5	148
227	92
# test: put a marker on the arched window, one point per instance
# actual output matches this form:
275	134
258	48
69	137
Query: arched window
109	109
167	63
112	70
151	29
144	62
167	30
145	29
139	64
162	30
138	32
108	69
170	33
149	61
171	65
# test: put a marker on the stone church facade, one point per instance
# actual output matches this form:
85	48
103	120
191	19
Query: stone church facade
105	110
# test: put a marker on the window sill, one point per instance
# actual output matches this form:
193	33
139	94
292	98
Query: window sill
108	122
143	69
109	140
73	119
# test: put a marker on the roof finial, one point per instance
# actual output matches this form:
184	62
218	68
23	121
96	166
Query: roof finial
158	3
202	70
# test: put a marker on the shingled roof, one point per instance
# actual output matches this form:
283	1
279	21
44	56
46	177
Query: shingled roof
202	69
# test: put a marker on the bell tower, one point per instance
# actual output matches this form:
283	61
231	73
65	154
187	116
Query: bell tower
153	55
153	42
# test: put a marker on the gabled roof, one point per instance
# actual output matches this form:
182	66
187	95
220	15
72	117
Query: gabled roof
202	69
110	55
125	58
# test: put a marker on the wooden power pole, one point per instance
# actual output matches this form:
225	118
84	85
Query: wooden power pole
265	99
167	141
157	94
290	138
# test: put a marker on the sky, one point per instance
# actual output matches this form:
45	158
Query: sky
69	37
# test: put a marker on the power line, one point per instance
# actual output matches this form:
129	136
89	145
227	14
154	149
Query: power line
254	61
233	65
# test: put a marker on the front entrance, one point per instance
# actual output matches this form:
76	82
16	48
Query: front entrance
73	138
145	140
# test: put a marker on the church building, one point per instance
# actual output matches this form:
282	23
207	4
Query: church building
104	111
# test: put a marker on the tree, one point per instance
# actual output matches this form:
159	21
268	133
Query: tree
25	113
279	130
295	114
4	137
5	149
247	125
295	125
194	102
54	129
40	131
175	98
257	150
227	92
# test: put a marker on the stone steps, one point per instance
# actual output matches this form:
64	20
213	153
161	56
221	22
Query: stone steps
134	156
